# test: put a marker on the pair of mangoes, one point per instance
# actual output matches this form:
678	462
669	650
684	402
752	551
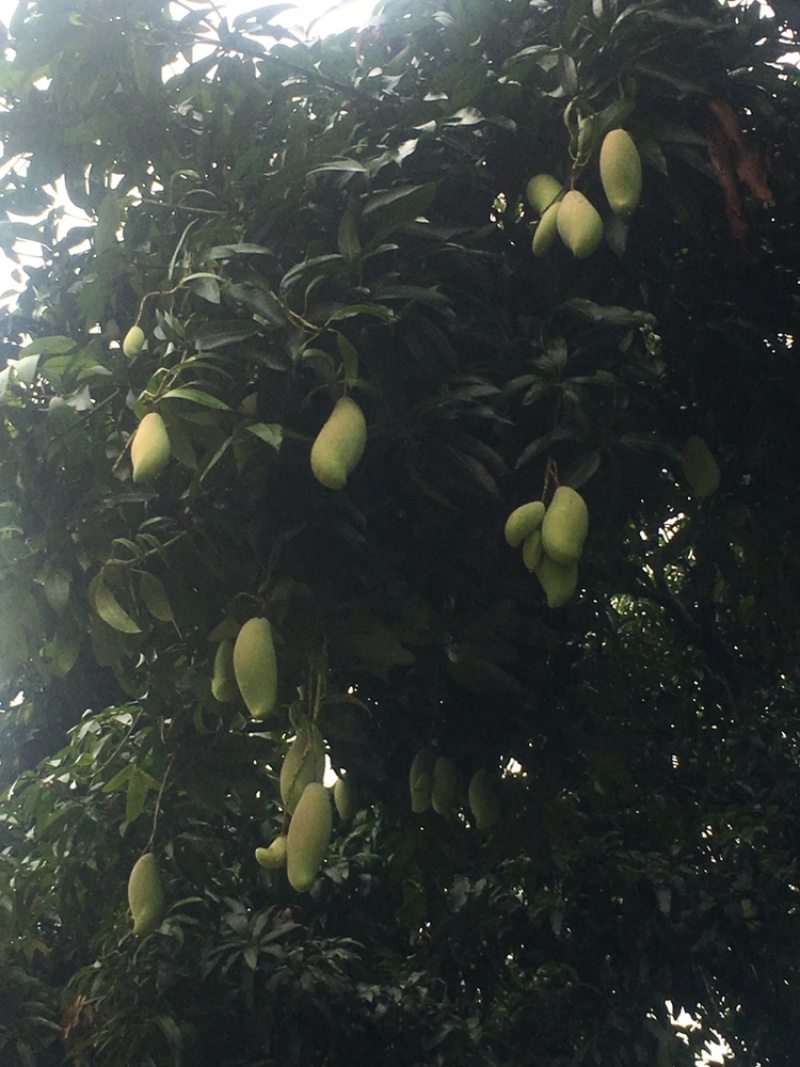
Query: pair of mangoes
571	215
248	666
552	541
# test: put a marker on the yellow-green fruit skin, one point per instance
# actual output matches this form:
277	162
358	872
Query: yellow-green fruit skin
339	444
541	191
223	681
523	521
133	343
482	801
345	798
420	781
255	667
565	525
303	763
700	468
274	857
444	793
621	172
150	448
145	895
579	224
546	232
309	836
532	550
558	580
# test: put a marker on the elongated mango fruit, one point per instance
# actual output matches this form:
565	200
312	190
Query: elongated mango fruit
274	857
223	680
579	224
565	525
444	794
541	191
621	172
547	231
482	800
303	763
420	781
532	550
523	521
309	836
145	895
345	798
133	343
339	444
558	580
255	667
150	448
700	468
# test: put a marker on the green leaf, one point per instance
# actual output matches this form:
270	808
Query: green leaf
196	397
155	597
271	433
109	608
136	796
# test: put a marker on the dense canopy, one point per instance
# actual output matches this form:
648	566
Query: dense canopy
276	236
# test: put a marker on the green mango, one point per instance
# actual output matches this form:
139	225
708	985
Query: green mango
523	521
482	800
420	781
339	444
621	172
532	550
133	342
565	526
309	836
255	667
345	798
444	794
558	580
223	680
546	232
579	224
541	191
150	447
146	896
302	764
274	857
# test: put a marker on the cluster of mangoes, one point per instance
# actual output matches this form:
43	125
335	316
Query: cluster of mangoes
552	541
570	215
434	783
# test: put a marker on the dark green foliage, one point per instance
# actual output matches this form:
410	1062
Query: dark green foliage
293	222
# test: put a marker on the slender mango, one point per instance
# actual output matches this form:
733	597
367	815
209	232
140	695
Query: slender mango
444	794
483	801
303	763
523	521
420	781
309	836
565	525
558	580
255	667
150	447
223	680
532	550
547	231
146	896
579	224
345	798
621	172
339	444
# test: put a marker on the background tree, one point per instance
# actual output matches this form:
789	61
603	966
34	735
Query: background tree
290	223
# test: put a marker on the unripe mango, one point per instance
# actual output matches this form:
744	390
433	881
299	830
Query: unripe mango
547	231
255	667
579	224
444	793
223	681
420	781
150	448
309	836
541	191
339	444
621	172
133	343
274	857
558	580
303	763
345	798
523	521
145	895
700	468
565	525
482	800
532	550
